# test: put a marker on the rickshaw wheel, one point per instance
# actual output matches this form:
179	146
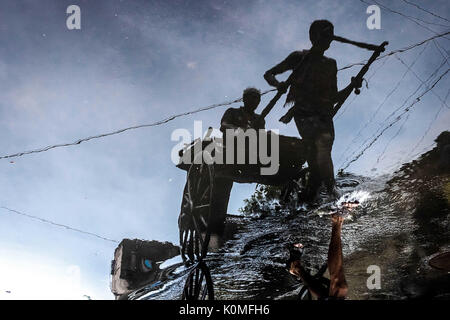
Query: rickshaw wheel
195	213
198	285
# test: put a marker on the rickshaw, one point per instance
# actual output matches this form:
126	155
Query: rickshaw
201	193
197	208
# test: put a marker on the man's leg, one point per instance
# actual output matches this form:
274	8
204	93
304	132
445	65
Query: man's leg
308	131
338	284
324	145
324	161
219	203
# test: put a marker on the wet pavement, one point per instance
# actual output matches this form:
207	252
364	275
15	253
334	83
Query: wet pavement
386	230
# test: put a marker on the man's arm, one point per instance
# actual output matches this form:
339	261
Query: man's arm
287	64
344	93
258	123
227	121
336	95
338	284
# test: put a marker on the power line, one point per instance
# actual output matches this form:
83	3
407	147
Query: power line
361	63
346	107
58	224
157	123
356	96
397	164
395	120
413	19
417	99
392	139
425	10
398	108
418	88
431	123
439	48
168	119
372	118
444	104
420	79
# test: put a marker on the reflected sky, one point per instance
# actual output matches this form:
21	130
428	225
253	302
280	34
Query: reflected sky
139	61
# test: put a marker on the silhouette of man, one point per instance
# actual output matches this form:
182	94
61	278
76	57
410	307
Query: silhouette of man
234	118
245	116
313	93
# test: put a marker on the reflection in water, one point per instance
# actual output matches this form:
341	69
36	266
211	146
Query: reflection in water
384	230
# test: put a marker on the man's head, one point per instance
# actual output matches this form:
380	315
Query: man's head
321	34
251	98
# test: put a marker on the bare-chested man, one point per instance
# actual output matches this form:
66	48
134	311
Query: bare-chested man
313	93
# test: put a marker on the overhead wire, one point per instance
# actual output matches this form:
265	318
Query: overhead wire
443	104
430	124
416	100
410	18
57	224
170	118
425	10
372	117
397	109
356	96
390	140
401	50
420	79
157	123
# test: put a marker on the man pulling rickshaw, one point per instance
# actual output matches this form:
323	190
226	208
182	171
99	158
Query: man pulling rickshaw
313	99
